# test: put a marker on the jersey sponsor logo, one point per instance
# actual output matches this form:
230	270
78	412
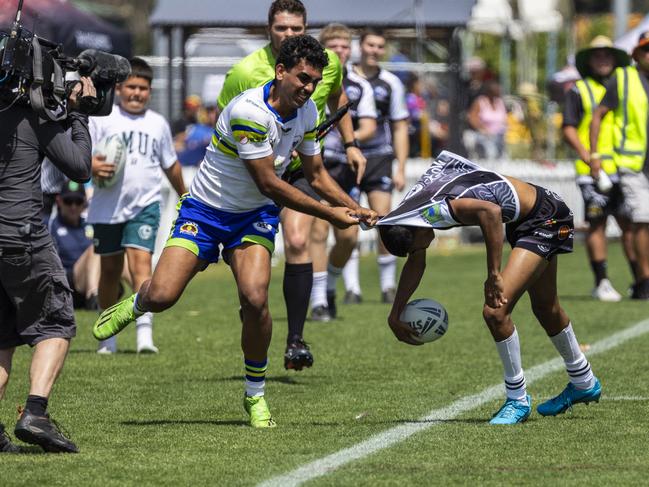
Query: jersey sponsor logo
564	232
145	232
243	139
381	93
353	92
61	231
433	214
189	228
263	227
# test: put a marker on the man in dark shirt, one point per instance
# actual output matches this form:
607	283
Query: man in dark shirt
35	298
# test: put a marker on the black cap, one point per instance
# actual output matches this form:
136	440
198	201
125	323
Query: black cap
72	189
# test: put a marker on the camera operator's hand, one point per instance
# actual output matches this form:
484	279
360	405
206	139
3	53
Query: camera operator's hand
101	169
84	88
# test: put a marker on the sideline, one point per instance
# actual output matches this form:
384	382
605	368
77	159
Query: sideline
381	441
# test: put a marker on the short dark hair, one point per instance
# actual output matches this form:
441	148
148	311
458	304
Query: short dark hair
371	31
290	6
140	69
398	239
300	47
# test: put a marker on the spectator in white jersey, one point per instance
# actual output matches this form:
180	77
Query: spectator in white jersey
539	226
389	143
338	38
126	215
234	201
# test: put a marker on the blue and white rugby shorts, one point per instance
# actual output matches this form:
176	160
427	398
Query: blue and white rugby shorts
201	229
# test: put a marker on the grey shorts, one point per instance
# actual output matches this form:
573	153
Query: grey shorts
635	187
35	298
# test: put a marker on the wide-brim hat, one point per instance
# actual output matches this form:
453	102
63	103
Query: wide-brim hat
600	42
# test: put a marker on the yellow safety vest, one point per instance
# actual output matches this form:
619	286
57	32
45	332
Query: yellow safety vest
630	120
591	93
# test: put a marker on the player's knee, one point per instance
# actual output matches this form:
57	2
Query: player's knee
494	317
159	298
254	300
297	242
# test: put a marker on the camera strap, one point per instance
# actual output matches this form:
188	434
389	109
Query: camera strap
36	90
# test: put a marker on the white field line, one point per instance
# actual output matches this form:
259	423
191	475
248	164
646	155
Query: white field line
381	441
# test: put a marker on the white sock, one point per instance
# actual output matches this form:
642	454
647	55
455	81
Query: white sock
255	377
333	273
577	365
510	354
350	274
144	329
387	271
109	344
319	289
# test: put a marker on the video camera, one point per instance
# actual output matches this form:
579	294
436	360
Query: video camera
32	72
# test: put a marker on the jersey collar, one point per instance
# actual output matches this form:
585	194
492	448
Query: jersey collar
267	87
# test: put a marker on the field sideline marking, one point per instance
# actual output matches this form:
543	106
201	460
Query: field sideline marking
386	439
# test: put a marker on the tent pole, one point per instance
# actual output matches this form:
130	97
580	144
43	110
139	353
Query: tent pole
170	72
456	92
183	66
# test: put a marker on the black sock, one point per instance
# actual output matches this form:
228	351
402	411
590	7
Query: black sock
37	405
634	270
599	269
298	281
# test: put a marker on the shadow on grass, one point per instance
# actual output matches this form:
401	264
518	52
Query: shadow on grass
282	379
164	422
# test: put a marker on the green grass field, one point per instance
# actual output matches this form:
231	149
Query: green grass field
176	418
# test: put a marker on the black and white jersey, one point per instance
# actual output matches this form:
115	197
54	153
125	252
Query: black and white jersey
390	100
450	177
359	92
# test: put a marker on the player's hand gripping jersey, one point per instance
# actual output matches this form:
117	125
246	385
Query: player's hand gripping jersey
451	176
249	128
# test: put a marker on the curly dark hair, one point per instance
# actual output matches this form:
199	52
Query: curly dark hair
301	47
290	6
398	239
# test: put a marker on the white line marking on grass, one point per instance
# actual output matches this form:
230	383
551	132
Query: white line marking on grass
381	441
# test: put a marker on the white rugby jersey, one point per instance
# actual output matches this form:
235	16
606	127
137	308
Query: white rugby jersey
249	128
390	99
150	147
449	177
359	92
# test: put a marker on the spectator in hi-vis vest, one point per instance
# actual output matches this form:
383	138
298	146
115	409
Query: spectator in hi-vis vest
596	63
626	97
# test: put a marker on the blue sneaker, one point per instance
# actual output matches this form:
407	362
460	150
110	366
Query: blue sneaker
569	396
513	412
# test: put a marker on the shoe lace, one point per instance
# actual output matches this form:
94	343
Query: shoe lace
509	410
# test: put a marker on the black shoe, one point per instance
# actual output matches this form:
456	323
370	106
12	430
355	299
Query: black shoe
352	298
388	295
297	355
331	304
42	431
320	313
641	290
6	445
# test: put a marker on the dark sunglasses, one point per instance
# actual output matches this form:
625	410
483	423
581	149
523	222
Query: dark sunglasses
73	201
644	48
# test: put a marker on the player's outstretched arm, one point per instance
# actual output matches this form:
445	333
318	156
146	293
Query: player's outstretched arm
283	194
411	275
488	216
329	189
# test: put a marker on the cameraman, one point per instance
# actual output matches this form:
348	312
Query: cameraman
35	297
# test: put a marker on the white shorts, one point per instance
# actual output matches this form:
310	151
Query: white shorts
635	187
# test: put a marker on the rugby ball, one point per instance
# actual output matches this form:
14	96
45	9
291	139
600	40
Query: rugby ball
113	148
427	317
